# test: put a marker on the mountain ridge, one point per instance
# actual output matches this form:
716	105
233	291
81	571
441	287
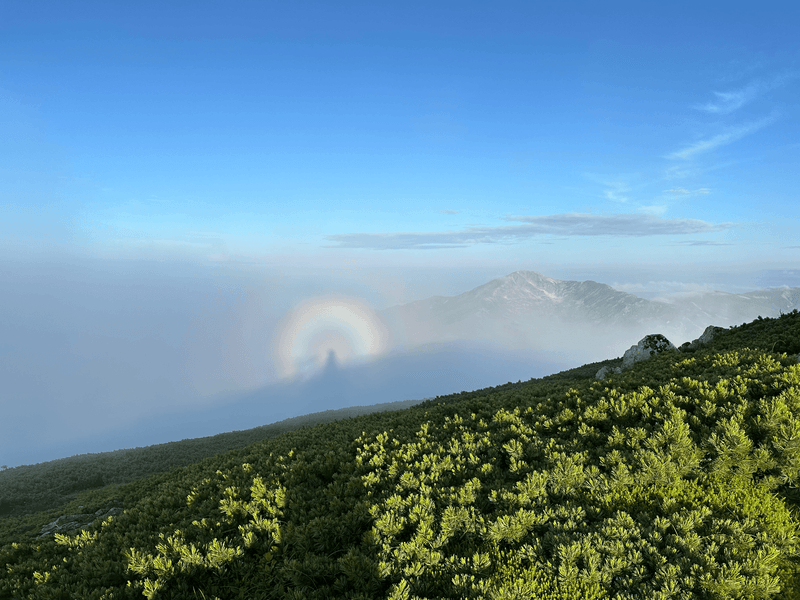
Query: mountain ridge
529	309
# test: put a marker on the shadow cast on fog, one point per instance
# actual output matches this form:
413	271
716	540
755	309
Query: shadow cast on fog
427	371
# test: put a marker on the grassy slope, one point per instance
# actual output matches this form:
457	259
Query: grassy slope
33	488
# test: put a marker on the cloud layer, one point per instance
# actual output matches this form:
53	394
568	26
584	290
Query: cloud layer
566	224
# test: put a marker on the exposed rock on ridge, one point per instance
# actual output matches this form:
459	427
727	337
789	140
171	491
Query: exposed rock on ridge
67	523
648	346
709	334
653	344
601	374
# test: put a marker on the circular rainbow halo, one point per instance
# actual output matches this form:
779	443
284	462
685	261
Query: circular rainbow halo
346	328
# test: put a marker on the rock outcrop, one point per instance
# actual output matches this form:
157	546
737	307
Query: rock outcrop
653	344
709	334
606	370
67	523
648	346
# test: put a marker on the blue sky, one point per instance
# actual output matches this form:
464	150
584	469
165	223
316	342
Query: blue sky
175	171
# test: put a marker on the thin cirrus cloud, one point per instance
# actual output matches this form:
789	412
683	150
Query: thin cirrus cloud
616	194
722	139
566	224
727	102
702	243
684	192
654	209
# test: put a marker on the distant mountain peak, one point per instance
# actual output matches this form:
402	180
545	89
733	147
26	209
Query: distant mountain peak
520	301
529	309
529	275
529	290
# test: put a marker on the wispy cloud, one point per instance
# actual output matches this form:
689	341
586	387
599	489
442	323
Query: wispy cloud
654	209
722	139
684	192
619	224
702	243
617	186
617	192
684	170
669	197
566	224
727	102
449	212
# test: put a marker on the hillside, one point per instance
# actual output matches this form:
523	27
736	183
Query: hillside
33	488
675	479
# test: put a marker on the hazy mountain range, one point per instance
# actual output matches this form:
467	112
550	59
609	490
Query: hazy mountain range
529	310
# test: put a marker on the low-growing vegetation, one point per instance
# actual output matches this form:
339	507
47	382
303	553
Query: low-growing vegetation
675	479
50	485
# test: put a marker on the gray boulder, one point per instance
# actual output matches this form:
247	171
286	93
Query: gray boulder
648	346
68	523
709	334
606	370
